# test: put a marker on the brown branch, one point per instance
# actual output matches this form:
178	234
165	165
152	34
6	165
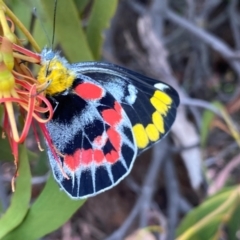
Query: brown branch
214	42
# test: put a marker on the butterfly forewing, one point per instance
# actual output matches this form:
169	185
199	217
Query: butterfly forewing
151	105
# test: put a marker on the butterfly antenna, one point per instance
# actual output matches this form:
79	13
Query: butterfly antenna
35	13
54	27
54	20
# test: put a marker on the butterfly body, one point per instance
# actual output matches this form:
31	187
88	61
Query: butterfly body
104	116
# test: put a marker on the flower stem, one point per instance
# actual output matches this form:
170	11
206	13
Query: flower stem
22	27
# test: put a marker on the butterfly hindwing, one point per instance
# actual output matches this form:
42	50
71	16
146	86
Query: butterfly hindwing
93	139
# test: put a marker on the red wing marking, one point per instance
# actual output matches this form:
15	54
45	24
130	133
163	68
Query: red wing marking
112	157
73	161
98	156
115	138
118	108
87	157
81	156
89	91
100	141
111	117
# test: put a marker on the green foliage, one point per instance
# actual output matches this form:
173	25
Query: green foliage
217	212
208	117
69	31
53	207
20	199
101	13
5	149
81	5
19	9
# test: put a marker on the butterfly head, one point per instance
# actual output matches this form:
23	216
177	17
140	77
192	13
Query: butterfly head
55	75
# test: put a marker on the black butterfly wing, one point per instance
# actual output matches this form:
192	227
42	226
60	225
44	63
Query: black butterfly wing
150	104
109	115
94	147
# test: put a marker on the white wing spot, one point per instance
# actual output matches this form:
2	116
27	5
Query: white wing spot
131	98
116	88
161	86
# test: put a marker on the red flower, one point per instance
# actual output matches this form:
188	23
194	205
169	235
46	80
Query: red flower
20	93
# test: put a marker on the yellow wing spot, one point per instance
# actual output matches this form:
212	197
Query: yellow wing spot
152	132
60	77
159	105
158	121
140	136
163	97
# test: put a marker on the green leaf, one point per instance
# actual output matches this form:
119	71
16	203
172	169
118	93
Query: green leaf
69	30
81	4
41	166
42	30
19	9
102	12
50	211
207	119
20	199
6	153
5	150
1	111
205	221
233	226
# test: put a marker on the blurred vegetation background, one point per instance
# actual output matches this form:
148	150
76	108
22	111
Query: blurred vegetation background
186	187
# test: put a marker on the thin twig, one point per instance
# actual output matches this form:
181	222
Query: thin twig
173	198
223	175
208	8
217	44
221	154
157	62
156	12
234	22
159	154
201	103
146	193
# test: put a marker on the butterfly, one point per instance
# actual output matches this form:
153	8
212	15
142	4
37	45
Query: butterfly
104	117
